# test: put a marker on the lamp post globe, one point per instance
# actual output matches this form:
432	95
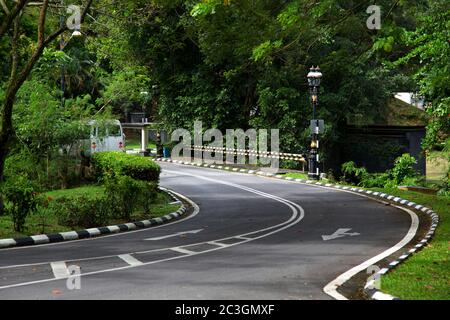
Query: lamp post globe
314	77
77	33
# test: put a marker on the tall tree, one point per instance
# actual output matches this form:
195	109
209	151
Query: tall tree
22	64
429	56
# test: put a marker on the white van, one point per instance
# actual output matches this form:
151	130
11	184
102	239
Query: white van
106	136
99	136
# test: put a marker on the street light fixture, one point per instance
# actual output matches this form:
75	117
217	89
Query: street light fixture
314	79
77	33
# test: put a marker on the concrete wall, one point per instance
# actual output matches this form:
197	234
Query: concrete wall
376	147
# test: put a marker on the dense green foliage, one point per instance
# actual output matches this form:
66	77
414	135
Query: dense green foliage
21	200
80	211
429	56
403	172
122	197
124	194
244	63
352	174
403	169
45	135
110	164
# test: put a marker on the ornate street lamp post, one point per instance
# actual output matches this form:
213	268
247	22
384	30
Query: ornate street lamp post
314	78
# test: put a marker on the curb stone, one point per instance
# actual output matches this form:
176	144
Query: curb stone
95	232
373	294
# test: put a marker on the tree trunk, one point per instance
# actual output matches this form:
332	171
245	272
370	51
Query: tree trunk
3	153
6	130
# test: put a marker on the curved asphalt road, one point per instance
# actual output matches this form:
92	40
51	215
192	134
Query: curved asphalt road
260	238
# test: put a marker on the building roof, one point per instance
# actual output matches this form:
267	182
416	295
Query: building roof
395	113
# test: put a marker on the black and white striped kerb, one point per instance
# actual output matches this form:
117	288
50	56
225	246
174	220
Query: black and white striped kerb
94	232
372	293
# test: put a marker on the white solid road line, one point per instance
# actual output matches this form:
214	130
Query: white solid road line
132	261
60	270
242	238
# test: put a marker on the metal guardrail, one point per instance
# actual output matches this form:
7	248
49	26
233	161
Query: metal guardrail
244	152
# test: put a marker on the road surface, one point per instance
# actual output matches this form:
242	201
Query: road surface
252	238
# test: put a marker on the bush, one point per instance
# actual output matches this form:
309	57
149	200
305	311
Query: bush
20	196
147	195
122	194
379	180
290	164
419	181
402	173
404	168
119	163
125	195
444	189
80	211
353	174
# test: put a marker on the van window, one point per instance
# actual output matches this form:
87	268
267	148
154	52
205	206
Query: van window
114	130
101	131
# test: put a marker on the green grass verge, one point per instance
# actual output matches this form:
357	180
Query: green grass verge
38	223
90	191
426	275
136	144
303	176
35	224
161	206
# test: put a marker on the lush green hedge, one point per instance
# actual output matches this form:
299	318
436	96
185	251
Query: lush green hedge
402	173
123	196
119	163
80	211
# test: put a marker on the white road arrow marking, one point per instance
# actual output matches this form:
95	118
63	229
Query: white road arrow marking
174	235
340	233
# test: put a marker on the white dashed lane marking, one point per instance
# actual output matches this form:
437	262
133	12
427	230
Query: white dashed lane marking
132	261
60	270
183	251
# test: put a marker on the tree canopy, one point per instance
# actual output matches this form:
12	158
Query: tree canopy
239	63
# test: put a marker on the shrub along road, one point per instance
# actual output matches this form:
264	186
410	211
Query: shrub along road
253	238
